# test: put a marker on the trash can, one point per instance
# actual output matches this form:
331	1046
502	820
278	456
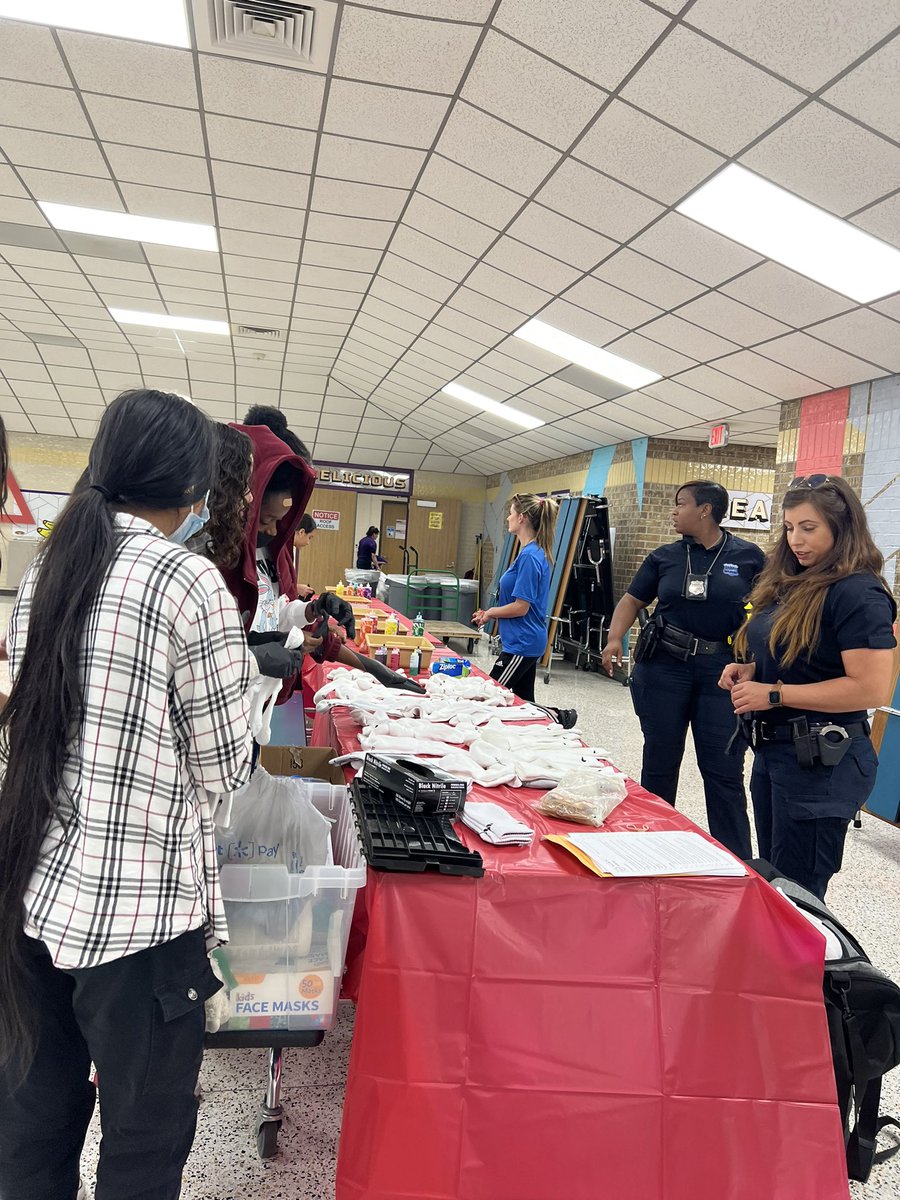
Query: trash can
412	594
468	600
357	578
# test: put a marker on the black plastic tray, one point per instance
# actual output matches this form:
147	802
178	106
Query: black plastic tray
396	840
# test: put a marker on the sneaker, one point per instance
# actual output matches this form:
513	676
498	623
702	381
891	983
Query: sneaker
567	717
81	1194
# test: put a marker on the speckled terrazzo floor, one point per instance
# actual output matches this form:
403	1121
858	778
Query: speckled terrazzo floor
223	1165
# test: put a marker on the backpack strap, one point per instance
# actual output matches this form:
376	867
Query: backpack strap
861	1143
883	1123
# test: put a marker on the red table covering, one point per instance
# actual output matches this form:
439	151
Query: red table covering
543	1034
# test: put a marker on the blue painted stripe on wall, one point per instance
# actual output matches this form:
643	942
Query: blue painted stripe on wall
598	471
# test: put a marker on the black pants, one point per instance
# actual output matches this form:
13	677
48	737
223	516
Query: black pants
802	813
669	698
517	672
141	1020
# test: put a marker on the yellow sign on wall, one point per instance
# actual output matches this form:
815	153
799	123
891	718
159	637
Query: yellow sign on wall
435	520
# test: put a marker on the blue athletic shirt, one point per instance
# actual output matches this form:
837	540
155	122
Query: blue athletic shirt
527	579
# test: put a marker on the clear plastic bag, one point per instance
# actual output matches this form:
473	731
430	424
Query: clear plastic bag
273	822
584	796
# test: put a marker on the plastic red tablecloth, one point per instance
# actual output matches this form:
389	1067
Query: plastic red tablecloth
542	1034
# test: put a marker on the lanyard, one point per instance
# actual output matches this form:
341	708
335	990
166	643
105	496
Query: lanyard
696	587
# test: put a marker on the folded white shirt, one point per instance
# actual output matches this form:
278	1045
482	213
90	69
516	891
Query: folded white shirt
494	824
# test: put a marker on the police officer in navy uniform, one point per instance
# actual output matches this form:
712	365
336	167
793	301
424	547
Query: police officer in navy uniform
820	649
701	583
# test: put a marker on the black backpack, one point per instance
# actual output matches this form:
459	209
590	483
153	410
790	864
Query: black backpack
863	1010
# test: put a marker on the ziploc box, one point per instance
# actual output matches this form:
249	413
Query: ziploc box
417	788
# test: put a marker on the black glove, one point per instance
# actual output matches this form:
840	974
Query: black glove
390	678
265	639
274	661
331	605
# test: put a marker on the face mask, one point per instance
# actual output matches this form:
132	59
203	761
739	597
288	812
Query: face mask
192	524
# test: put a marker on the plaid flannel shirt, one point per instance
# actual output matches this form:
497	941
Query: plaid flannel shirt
165	669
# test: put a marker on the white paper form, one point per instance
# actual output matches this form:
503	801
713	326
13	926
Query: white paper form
662	852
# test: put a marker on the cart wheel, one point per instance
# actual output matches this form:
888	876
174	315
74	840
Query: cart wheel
267	1139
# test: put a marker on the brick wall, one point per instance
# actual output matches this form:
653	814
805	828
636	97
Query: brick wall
853	432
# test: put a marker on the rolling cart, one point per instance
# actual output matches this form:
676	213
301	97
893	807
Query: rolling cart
285	960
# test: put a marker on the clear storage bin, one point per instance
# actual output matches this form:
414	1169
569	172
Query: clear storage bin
288	933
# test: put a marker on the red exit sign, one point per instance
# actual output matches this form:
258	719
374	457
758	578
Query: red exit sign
718	436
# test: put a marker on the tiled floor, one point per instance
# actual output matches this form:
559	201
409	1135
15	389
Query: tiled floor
223	1166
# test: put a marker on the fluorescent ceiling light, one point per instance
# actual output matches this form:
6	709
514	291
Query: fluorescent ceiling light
458	392
127	316
774	222
135	229
585	354
162	21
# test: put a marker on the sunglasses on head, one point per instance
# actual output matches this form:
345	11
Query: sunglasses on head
810	481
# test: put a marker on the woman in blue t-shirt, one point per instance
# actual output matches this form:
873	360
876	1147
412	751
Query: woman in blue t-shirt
524	595
820	649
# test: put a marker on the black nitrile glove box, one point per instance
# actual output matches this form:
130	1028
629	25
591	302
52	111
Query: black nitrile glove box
416	788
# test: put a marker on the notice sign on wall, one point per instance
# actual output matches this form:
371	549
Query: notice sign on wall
435	520
749	510
325	519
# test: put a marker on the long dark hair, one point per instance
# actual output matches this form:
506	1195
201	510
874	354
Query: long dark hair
226	527
800	592
153	451
274	419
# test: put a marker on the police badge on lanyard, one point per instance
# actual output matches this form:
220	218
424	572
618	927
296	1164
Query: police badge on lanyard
696	587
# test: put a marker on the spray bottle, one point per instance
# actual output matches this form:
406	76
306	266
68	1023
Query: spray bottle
415	662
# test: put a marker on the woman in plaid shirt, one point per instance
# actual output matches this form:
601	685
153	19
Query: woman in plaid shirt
129	668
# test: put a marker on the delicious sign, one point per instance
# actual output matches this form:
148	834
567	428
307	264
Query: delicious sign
365	479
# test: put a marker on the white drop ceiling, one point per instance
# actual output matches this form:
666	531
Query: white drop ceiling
456	169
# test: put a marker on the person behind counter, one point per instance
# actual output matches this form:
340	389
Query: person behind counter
302	538
127	711
367	556
524	600
820	643
701	584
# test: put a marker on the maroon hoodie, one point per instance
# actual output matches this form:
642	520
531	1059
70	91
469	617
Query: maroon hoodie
269	452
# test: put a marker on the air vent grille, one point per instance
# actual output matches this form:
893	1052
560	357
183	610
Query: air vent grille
267	30
259	331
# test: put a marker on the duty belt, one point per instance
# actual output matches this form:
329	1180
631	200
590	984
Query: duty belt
683	645
762	733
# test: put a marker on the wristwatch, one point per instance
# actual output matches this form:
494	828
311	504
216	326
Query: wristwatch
775	697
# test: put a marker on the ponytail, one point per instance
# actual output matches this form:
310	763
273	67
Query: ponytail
540	512
153	451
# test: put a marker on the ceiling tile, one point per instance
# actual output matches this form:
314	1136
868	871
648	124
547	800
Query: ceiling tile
238	181
447	225
589	381
581	323
428	251
387	114
29	148
646	353
580	192
416	277
690	339
262	245
358	199
725	389
828	159
646	154
350	258
772	377
352	231
368	162
145	201
785	295
475	139
17	210
403	51
600	39
29	52
819	360
607	301
259	144
490	281
531	265
647	279
730	319
60	188
863	332
709	93
52	109
561	237
882	220
132	164
339	281
870	92
694	250
526	90
468	326
467	192
155	126
261	93
808	41
119	67
261	218
483	308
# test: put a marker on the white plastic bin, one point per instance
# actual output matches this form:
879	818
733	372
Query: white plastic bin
288	933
